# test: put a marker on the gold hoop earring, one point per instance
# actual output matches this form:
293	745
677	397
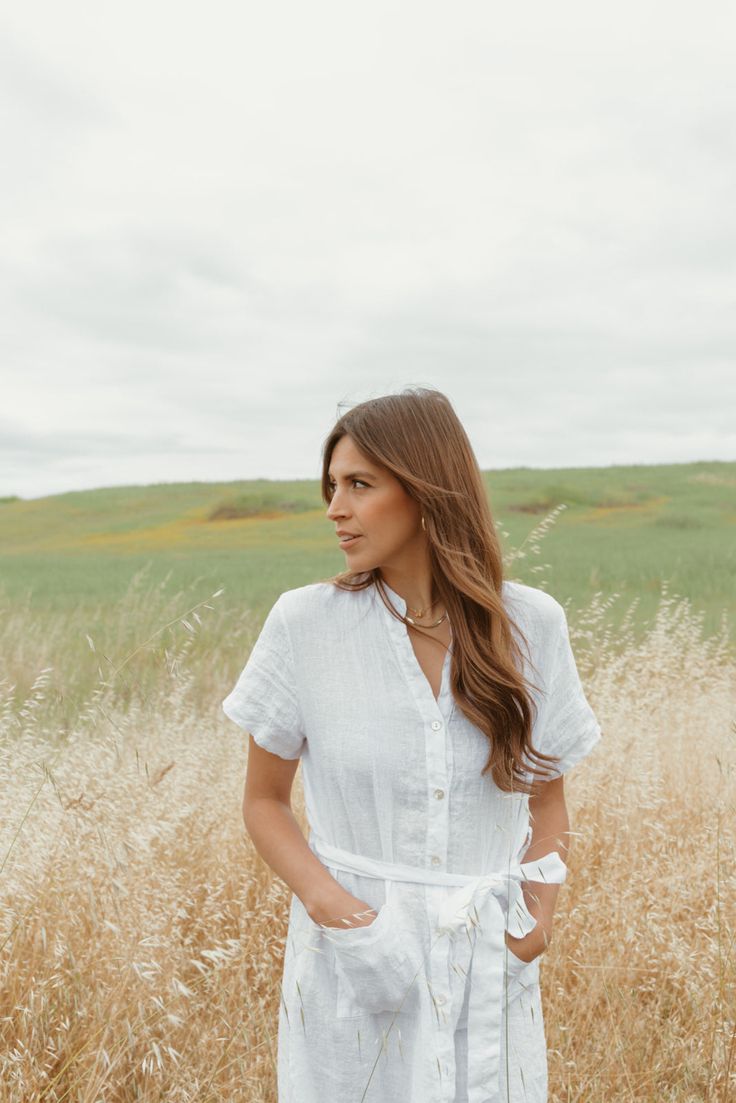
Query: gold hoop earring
423	524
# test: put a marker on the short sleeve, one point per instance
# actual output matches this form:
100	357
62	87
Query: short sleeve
264	700
568	726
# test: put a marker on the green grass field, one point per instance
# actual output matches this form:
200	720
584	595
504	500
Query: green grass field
623	530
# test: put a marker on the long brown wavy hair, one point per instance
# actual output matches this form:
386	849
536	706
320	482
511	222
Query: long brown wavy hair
417	436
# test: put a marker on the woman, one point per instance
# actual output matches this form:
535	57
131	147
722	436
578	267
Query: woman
435	708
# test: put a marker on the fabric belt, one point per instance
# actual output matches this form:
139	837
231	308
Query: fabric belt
492	903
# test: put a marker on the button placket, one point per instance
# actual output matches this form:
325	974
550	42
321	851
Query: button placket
433	714
437	819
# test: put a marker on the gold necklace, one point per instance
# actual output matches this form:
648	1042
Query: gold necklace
435	625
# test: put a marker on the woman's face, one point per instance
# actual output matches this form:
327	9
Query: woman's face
371	502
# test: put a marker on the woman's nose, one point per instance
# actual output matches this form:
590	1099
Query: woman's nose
334	509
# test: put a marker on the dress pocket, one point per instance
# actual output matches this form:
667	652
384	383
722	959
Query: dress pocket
378	967
519	976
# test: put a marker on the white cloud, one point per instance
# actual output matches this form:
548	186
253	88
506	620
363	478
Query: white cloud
220	222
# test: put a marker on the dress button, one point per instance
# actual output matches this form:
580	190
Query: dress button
439	793
436	860
439	999
436	725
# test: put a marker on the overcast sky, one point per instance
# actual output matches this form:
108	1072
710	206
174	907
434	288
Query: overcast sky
222	220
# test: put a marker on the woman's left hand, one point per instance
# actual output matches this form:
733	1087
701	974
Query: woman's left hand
531	945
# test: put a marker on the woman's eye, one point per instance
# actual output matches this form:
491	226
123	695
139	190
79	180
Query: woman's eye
332	487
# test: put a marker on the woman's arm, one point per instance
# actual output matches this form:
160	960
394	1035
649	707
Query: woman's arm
550	831
279	840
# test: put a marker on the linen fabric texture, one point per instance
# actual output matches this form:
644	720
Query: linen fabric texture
392	774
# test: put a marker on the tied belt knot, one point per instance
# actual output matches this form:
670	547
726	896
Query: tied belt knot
491	904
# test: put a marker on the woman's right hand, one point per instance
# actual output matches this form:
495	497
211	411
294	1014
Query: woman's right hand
348	911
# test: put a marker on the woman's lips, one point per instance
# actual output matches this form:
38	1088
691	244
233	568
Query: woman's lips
349	542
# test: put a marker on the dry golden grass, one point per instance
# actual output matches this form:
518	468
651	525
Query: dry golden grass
142	936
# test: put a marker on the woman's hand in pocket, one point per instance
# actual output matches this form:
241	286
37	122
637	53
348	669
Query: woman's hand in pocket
347	911
531	945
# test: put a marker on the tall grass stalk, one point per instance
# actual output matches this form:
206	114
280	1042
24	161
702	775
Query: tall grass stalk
142	937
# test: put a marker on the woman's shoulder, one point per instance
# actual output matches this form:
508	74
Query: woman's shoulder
537	609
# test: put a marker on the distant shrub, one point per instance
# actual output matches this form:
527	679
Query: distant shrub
529	507
552	496
256	505
678	521
629	497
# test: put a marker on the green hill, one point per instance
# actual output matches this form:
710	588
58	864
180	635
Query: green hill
623	529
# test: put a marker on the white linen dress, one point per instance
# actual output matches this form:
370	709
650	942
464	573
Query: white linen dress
425	1004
